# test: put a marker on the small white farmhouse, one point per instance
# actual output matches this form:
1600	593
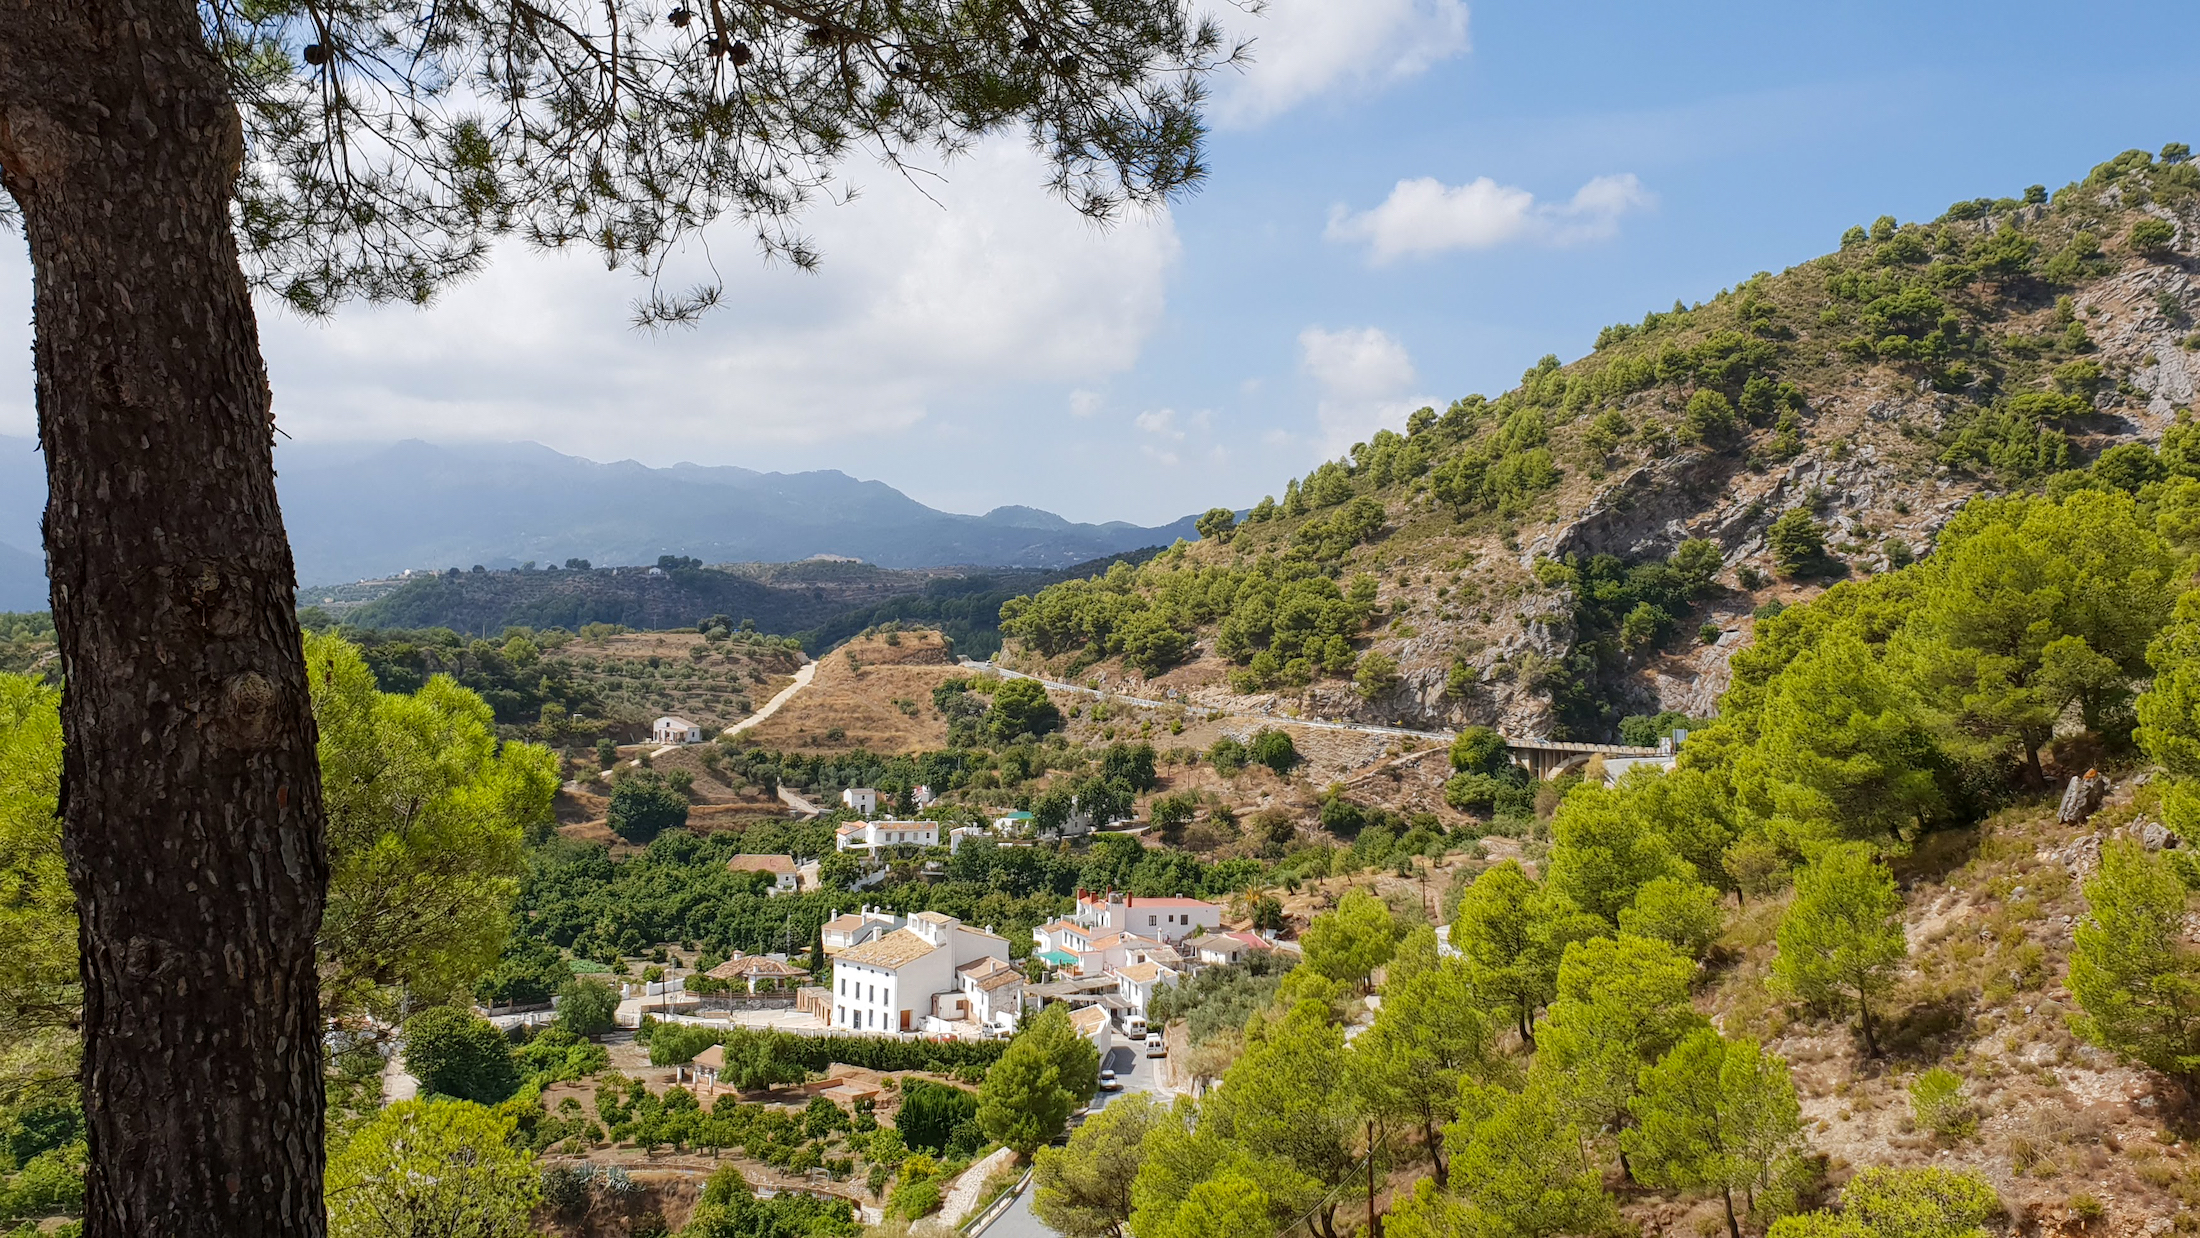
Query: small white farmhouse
671	730
863	800
870	835
781	869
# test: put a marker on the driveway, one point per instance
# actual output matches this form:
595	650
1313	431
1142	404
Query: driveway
802	676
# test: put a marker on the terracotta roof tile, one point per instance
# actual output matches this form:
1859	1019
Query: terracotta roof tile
897	949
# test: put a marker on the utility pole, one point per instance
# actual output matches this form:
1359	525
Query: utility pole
1374	1223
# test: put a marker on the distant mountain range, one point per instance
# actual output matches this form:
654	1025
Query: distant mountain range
357	511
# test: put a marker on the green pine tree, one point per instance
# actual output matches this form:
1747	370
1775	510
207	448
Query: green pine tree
2134	978
1046	1073
1841	939
1714	1115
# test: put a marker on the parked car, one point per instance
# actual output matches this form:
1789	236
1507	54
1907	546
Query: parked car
1135	1026
1156	1046
1109	1083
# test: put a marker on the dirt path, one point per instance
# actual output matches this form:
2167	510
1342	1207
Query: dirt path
802	677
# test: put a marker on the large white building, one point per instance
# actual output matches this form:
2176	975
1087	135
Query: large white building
1069	946
869	835
892	984
1170	919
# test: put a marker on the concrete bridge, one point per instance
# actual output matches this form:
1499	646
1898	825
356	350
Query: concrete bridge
1549	758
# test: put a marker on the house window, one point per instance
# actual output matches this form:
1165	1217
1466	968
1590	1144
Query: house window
1151	921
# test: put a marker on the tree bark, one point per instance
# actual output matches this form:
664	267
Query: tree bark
190	791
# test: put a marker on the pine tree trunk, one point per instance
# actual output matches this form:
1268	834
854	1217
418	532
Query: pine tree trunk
1864	1009
1733	1227
190	792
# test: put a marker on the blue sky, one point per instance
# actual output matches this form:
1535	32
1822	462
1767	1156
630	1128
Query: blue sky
1410	200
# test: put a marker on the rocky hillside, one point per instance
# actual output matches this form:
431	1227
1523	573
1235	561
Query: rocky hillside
1500	562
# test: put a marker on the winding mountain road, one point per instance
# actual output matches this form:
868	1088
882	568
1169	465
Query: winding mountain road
1543	756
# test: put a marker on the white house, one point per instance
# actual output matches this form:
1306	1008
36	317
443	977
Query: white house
888	984
1170	919
1013	824
857	927
1136	984
923	797
869	835
780	867
671	730
1071	946
992	990
1219	949
862	799
1092	1024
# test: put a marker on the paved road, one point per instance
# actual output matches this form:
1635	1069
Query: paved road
1357	728
1139	1073
1020	1222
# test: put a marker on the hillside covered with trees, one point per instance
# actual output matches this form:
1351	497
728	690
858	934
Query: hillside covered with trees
1595	542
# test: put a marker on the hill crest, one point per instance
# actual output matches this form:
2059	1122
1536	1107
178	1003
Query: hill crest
1874	389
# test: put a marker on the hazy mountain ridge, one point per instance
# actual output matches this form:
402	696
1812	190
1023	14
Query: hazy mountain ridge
358	511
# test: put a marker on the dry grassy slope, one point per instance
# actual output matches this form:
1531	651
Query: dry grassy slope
876	691
1868	461
1989	913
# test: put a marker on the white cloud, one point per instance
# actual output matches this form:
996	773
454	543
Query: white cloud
1305	48
1366	381
1425	216
1160	422
921	308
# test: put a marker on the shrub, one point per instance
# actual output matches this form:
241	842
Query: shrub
1938	1104
2153	236
1273	748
